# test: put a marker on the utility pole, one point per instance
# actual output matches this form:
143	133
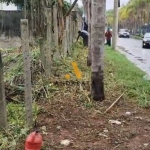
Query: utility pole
115	25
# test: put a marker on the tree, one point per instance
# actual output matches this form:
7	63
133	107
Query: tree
133	15
109	17
3	114
97	48
36	13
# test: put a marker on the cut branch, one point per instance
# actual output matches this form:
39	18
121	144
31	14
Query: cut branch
72	6
114	103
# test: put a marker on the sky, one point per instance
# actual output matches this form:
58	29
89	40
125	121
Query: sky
109	4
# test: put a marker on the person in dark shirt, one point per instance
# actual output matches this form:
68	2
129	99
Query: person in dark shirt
85	26
85	35
108	36
84	23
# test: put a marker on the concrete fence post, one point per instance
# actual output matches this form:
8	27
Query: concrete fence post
27	71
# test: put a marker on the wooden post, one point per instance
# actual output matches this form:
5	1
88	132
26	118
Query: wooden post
80	22
74	31
32	22
64	43
3	114
49	42
74	13
89	15
57	55
67	34
72	35
27	71
70	31
42	54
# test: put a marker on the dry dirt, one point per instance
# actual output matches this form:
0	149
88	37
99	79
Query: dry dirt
88	129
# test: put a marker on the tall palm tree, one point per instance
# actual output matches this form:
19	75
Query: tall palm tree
134	14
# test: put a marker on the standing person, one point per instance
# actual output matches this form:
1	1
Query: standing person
85	35
108	36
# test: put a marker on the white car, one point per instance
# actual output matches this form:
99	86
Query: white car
146	40
124	33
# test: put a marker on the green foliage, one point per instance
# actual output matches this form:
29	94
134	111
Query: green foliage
21	3
66	7
134	12
125	76
13	73
16	117
109	17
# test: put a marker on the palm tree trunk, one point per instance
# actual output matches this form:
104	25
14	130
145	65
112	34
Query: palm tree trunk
97	48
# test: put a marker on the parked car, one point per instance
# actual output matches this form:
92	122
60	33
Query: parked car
124	33
146	40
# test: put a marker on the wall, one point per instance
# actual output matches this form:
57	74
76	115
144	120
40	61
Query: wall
10	23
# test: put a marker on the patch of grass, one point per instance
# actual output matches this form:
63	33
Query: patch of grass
13	76
126	77
120	76
17	130
136	37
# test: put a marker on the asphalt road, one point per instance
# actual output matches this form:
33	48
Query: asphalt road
132	49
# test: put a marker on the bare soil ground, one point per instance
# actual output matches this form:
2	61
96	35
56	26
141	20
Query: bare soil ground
88	129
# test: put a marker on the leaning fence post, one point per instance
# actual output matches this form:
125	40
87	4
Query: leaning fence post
48	49
68	34
71	34
64	43
3	114
27	71
55	20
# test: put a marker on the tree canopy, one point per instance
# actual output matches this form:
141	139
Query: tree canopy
133	15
